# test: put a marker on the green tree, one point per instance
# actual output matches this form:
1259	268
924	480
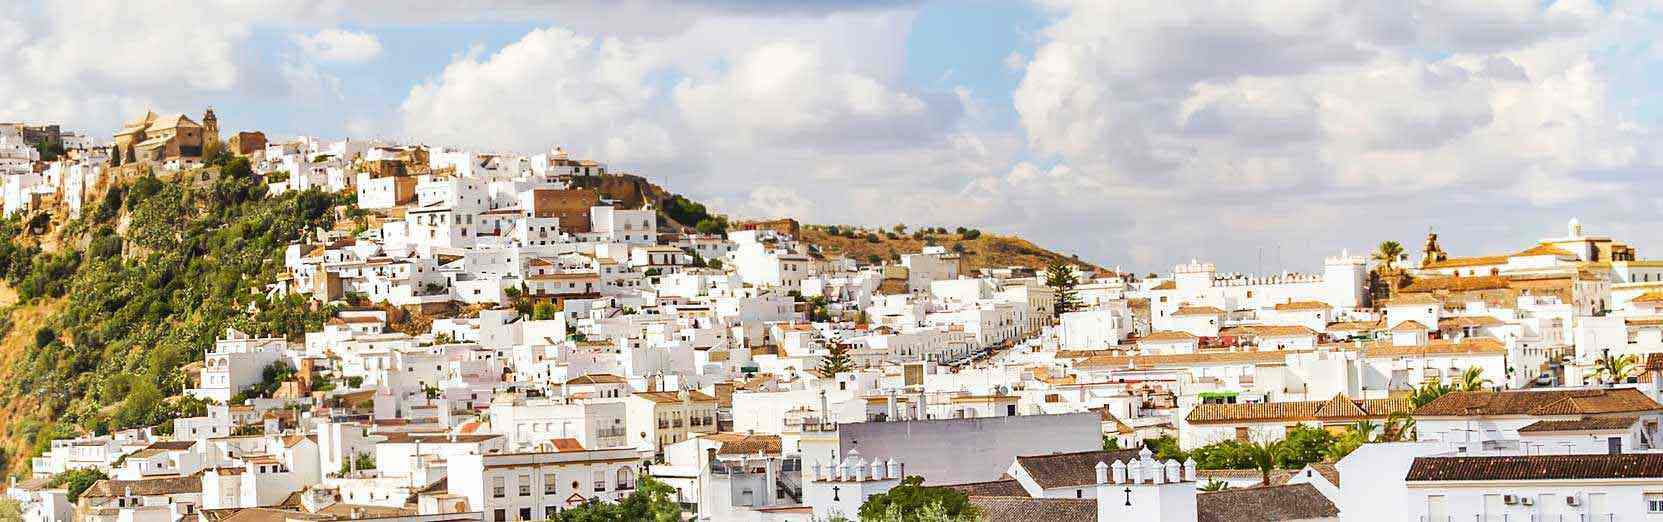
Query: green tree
1214	485
1060	277
1387	254
1303	445
1166	448
651	501
1110	443
1264	456
1614	369
1471	379
912	500
76	481
544	311
836	361
1428	392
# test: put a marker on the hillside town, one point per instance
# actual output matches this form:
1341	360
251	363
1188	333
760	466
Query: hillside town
509	337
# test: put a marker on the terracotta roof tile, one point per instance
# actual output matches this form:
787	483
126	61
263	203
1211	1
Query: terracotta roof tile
1272	503
1026	509
1063	470
1545	402
1537	467
1617	423
1297	411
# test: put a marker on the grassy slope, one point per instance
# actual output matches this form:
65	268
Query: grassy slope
987	251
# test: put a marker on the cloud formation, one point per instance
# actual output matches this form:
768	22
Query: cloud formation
338	45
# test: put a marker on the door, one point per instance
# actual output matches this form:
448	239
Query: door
1435	508
1614	445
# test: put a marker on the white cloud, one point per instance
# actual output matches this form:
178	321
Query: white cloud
338	45
553	86
1245	112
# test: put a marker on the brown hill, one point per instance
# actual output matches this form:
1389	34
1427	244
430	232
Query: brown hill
979	250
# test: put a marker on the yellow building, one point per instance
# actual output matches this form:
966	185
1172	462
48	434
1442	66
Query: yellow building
153	138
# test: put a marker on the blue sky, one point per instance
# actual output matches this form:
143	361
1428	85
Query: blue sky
1135	133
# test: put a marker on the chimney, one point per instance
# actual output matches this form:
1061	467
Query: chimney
1189	470
877	469
1119	469
1102	472
891	414
1172	471
895	469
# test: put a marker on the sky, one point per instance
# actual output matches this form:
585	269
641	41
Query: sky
1261	136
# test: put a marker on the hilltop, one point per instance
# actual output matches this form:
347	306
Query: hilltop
978	249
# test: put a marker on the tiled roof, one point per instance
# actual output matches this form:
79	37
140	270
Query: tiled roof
1456	284
1063	470
746	444
1354	326
1338	407
1025	509
1433	347
1545	250
1166	285
1618	423
1547	402
597	378
1007	487
1411	300
1454	262
1649	297
1160	336
1463	321
1301	305
1183	359
1272	331
1538	467
1273	503
1197	310
145	487
1409	326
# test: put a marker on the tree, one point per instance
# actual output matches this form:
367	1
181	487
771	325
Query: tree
76	481
1387	253
1427	393
1264	455
1110	443
1214	485
836	361
909	502
1365	428
1471	379
1615	369
1399	427
1060	277
651	501
1303	445
1165	448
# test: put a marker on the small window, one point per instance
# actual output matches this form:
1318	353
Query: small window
1654	502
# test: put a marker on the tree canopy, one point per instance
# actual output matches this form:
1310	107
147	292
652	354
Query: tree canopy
911	501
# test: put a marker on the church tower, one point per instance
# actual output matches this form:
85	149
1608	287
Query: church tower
210	127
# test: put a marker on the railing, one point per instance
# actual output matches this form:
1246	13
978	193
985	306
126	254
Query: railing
600	485
610	432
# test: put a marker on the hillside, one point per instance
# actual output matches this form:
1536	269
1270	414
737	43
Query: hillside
979	250
98	314
112	304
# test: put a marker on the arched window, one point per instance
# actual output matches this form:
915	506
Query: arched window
626	478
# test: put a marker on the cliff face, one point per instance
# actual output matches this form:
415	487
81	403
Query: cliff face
978	250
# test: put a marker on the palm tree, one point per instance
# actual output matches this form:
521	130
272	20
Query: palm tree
1399	426
1365	429
1215	485
1428	392
1387	254
1613	370
1263	455
1472	379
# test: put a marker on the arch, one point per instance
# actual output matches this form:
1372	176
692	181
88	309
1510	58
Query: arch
625	478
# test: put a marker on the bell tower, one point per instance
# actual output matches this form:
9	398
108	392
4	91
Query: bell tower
210	127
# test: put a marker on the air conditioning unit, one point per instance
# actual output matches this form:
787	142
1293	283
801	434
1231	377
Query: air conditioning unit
1509	499
1527	501
1570	500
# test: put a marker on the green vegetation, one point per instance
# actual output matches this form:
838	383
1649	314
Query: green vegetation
1060	277
836	361
651	501
688	212
76	481
140	305
912	501
271	377
49	151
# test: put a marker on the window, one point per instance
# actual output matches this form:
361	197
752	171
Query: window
501	515
499	488
1654	502
525	485
549	484
525	513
